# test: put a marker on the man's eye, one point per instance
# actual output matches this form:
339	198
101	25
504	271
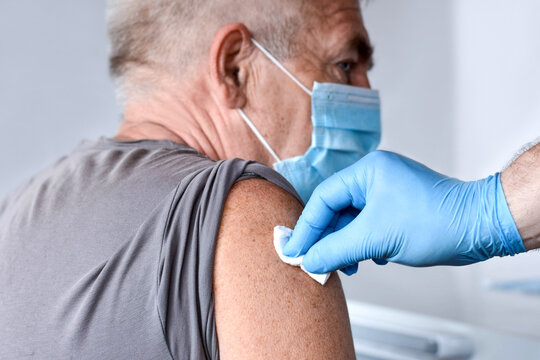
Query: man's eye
345	66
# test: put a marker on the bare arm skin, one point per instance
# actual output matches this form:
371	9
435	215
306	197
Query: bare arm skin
266	309
521	184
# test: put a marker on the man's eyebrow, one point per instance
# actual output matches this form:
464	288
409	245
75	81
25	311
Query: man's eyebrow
361	45
365	50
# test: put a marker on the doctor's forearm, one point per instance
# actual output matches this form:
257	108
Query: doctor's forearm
521	185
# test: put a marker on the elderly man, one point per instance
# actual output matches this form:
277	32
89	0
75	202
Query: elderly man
157	244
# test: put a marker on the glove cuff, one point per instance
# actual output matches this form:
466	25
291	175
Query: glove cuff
505	225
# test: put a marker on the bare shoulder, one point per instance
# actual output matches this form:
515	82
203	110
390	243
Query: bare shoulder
264	308
262	202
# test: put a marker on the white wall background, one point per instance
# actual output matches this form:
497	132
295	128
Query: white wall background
54	88
460	82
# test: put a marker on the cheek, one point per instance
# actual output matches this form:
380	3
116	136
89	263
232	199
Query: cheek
287	113
298	111
290	108
296	126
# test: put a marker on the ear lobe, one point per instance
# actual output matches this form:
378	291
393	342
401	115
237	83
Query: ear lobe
228	52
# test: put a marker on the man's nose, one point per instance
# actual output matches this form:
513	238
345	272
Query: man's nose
362	80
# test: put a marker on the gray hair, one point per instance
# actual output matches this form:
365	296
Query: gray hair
170	36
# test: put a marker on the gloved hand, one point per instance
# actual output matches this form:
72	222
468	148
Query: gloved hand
409	215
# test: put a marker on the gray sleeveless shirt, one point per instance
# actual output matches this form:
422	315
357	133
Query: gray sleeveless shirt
108	254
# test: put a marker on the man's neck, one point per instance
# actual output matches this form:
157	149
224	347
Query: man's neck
177	118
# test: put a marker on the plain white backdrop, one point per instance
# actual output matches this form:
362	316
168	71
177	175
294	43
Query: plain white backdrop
460	84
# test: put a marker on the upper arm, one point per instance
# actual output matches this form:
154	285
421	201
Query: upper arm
265	308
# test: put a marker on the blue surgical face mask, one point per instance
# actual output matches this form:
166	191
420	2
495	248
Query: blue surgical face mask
346	126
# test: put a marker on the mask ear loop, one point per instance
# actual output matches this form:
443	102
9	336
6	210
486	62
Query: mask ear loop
258	134
278	64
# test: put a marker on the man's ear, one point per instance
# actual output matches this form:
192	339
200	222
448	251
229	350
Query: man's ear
228	68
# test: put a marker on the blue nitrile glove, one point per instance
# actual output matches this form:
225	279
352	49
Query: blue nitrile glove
410	215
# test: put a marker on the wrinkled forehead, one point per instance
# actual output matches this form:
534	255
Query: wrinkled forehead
330	9
331	23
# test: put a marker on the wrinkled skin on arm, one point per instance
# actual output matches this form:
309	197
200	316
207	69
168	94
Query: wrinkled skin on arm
266	309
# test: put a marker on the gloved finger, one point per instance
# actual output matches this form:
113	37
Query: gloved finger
344	218
340	220
332	226
350	245
330	197
380	261
350	270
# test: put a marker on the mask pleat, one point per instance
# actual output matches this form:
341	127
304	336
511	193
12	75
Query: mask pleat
345	140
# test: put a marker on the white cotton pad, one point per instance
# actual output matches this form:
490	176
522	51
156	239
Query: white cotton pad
281	237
